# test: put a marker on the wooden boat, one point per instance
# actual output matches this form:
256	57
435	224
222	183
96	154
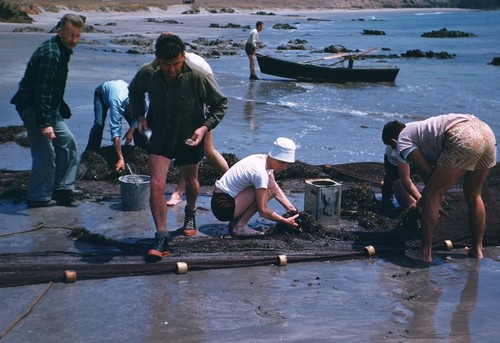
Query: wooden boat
302	71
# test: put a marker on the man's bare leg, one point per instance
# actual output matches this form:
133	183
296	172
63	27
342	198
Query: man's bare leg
158	170
441	180
190	176
246	207
473	185
213	156
252	64
215	159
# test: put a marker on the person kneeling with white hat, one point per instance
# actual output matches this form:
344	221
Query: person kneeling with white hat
247	187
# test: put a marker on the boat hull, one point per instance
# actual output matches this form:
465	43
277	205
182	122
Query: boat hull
314	73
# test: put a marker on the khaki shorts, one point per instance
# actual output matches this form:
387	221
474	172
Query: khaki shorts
469	145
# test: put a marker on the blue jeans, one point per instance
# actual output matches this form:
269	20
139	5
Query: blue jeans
55	162
100	114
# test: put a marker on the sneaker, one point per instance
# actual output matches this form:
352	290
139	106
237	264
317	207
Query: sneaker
160	246
189	228
254	77
46	203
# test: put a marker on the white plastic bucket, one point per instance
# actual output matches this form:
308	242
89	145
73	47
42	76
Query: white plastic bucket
135	192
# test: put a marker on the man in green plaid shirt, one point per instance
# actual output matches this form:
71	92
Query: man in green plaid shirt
39	102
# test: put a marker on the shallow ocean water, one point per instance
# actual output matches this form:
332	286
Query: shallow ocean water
330	123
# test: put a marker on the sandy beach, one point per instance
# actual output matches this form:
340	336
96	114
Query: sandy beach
369	299
35	7
130	5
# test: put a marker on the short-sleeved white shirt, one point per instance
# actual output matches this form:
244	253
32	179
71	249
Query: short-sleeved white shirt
248	172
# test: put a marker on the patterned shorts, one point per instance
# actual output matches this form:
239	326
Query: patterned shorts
469	145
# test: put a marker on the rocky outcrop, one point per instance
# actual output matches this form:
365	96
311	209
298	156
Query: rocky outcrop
12	13
428	54
495	61
373	32
280	26
295	44
444	33
229	26
28	29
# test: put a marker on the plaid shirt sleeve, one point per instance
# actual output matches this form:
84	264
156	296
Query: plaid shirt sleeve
49	70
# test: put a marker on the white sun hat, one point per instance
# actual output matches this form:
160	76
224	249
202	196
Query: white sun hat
283	150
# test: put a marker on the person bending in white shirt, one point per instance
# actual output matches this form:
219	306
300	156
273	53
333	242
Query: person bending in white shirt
248	186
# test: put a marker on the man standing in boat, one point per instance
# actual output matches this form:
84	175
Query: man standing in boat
251	48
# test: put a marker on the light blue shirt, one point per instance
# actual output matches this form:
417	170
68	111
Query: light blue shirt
115	96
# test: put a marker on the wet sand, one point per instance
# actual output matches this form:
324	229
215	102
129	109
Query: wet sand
355	299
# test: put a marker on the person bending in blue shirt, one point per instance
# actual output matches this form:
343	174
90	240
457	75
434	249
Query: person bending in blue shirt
113	96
